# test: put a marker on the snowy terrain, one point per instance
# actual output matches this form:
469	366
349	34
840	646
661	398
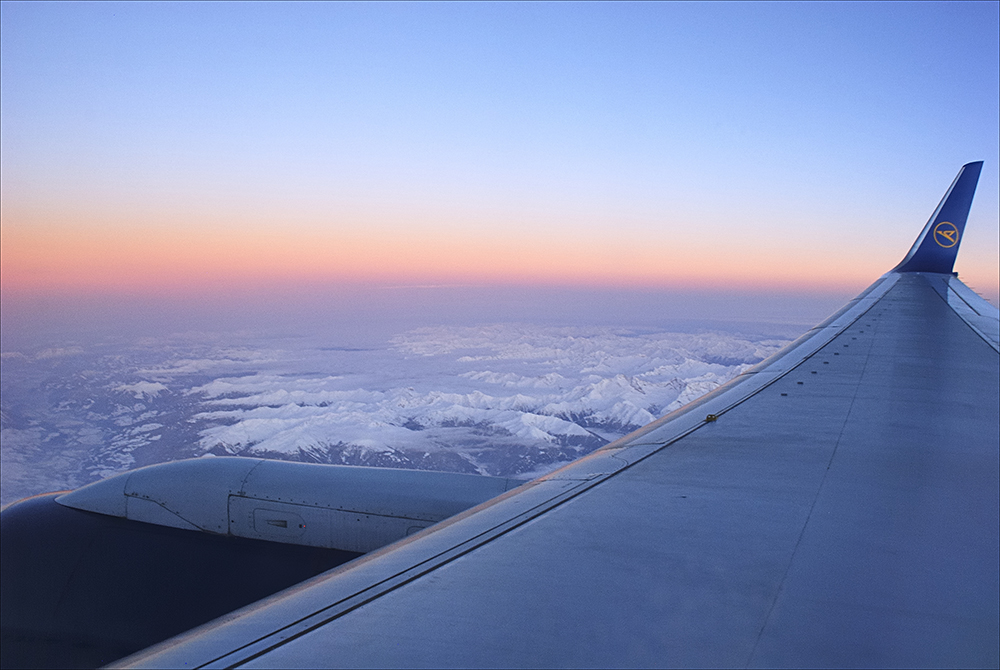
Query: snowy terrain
507	399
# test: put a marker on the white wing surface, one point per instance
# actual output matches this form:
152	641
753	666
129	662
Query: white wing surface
837	505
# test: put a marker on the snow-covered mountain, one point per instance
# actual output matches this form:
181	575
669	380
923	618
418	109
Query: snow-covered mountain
507	399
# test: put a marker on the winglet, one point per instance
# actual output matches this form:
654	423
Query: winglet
937	245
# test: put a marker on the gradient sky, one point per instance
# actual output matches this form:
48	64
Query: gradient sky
186	148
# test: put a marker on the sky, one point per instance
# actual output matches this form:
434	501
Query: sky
215	157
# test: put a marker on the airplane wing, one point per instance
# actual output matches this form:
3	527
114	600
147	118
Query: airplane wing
837	505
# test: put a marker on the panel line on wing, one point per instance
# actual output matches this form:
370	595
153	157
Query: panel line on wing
819	489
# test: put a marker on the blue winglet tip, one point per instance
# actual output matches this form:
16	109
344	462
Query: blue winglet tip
937	245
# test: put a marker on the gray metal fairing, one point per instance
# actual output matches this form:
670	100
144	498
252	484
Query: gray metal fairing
841	510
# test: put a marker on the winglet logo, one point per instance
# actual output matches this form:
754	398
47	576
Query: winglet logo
946	234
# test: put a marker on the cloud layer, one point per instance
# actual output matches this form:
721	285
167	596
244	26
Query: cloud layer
509	399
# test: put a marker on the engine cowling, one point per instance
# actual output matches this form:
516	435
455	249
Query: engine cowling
349	508
93	575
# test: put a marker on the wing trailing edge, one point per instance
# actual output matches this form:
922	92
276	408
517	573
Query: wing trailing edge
937	245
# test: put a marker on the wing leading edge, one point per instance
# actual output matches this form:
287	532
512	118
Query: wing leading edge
837	505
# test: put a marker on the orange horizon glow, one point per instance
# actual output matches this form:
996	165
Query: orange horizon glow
109	259
91	253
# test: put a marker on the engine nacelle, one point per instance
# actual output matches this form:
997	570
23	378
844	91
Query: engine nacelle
349	508
96	574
